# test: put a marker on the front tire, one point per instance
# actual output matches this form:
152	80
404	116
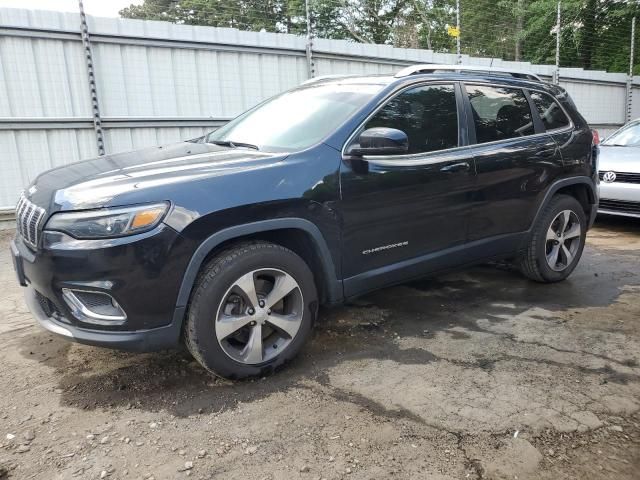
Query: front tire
251	311
556	242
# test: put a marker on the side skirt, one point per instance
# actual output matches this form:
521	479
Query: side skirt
455	257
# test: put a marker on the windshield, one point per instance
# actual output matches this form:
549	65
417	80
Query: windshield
296	119
627	136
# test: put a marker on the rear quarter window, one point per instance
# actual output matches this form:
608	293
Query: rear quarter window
499	113
551	114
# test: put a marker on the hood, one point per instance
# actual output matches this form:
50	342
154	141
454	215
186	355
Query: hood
619	159
139	176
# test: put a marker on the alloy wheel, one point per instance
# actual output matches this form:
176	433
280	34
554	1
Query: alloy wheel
259	316
563	240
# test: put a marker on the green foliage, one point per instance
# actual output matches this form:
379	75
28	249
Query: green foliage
594	34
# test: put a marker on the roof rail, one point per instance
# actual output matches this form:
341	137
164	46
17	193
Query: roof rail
328	77
434	68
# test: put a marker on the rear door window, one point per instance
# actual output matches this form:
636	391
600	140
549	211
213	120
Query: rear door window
550	112
499	113
427	114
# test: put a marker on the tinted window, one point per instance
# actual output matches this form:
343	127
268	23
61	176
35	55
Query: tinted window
428	115
550	112
499	113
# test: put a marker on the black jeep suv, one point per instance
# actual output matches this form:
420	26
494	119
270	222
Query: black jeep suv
230	242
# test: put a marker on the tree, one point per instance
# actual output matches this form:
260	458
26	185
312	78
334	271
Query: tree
285	16
594	33
150	10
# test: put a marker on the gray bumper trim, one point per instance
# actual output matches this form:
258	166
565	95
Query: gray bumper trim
616	212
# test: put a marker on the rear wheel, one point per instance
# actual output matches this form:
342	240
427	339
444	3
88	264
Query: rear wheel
252	310
557	241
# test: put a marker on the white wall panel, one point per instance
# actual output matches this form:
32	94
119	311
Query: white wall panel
137	82
12	179
598	103
76	79
635	106
162	84
185	76
21	74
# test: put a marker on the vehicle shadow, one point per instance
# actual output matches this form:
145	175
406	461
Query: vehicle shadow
618	224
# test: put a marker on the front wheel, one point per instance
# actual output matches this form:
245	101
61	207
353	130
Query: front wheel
252	310
556	242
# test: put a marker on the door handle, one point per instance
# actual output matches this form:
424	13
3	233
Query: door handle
456	167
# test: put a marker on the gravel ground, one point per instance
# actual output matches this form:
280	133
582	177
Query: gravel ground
477	374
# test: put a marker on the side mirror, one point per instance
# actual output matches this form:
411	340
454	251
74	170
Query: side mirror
380	141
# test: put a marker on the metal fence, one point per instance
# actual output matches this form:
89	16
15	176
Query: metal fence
67	91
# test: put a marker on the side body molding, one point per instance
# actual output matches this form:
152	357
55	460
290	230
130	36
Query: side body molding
332	284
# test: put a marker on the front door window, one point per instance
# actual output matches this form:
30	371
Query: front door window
427	114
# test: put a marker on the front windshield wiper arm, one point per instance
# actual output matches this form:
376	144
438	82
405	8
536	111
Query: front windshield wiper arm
229	143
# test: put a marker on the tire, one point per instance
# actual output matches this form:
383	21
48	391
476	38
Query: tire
222	300
537	261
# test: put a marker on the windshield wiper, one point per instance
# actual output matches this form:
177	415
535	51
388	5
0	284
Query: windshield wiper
230	144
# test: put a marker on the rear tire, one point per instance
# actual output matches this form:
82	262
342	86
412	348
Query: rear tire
556	242
251	311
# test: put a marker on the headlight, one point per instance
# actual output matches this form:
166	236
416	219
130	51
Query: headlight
108	222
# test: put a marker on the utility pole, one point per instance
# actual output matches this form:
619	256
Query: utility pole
310	63
458	28
630	77
86	43
556	79
519	25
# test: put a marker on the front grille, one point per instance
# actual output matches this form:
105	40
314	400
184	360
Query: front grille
28	218
623	177
622	206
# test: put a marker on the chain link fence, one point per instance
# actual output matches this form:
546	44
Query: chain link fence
589	34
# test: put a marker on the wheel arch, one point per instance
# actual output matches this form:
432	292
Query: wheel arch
299	235
581	188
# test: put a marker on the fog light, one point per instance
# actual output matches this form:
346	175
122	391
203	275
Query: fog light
94	307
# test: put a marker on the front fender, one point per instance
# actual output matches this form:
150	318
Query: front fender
333	285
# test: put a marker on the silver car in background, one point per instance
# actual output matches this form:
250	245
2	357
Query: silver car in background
619	161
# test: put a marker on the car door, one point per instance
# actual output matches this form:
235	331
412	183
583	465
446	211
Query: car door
399	209
515	161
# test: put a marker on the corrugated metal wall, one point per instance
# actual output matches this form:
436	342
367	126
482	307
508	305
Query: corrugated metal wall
159	83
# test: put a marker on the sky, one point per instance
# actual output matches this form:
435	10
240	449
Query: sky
99	8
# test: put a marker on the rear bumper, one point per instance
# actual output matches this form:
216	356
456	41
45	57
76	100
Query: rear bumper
140	341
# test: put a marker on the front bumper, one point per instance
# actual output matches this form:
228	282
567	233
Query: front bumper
620	198
143	273
139	341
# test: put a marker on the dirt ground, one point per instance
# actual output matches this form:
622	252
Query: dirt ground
478	374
